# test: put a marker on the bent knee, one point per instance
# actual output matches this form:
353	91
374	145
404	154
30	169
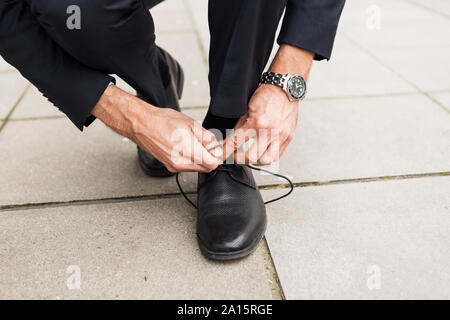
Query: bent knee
107	22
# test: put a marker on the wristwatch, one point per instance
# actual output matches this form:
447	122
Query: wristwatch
293	84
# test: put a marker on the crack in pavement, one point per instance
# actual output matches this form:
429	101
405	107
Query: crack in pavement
6	119
40	205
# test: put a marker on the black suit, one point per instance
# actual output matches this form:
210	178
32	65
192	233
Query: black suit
71	67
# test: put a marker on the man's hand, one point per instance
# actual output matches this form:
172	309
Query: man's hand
271	118
173	138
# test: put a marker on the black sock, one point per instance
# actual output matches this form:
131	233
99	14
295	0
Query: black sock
219	123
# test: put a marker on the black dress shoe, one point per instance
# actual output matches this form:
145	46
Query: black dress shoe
174	90
231	213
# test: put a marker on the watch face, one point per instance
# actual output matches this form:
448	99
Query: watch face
297	87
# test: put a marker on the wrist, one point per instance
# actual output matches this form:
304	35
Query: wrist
273	91
119	110
292	84
104	103
292	60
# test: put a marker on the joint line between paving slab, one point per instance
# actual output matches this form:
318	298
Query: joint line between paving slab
38	205
442	14
5	121
382	63
363	96
398	94
435	101
65	117
357	180
194	108
271	272
37	118
53	204
438	91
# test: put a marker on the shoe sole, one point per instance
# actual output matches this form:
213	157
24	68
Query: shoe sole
234	255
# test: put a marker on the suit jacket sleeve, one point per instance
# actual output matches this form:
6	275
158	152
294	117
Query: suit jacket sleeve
311	25
74	88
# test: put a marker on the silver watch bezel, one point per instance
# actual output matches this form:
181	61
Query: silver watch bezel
285	82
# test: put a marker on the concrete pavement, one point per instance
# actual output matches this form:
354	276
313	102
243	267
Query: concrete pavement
369	217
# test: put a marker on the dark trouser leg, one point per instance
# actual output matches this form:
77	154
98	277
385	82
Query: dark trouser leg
242	37
116	36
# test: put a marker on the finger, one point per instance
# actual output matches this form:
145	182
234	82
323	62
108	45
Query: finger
266	137
284	147
193	156
268	157
206	137
189	165
189	168
285	144
236	140
182	164
203	158
185	161
255	151
208	140
228	144
273	153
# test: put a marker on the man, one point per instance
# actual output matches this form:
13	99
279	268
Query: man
70	66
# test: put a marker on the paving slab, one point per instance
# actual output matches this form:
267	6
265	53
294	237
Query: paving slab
199	11
378	240
362	77
171	16
131	250
367	137
35	105
50	160
411	41
184	47
431	74
443	98
5	66
338	139
12	86
439	6
353	72
42	157
391	25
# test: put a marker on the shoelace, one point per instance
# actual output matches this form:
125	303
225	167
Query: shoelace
225	169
